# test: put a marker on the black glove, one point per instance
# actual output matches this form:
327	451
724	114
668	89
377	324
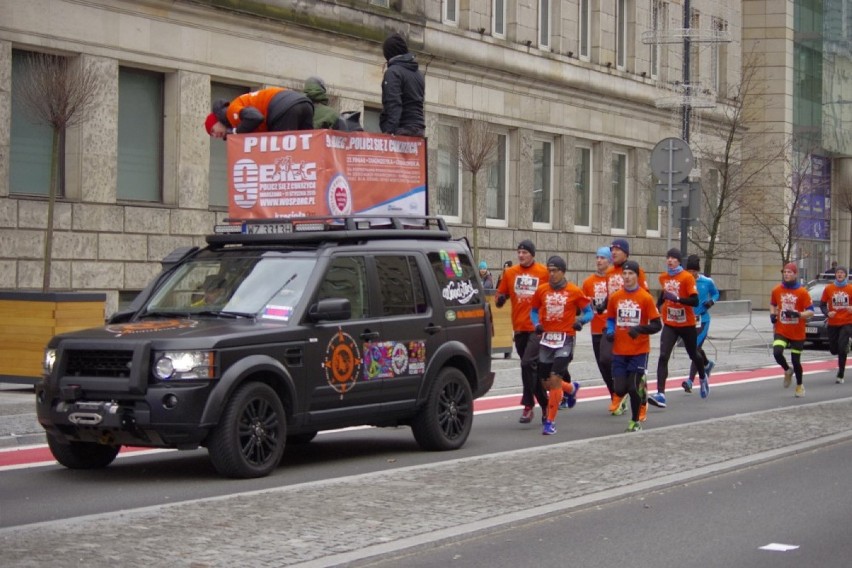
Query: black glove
709	304
791	314
600	306
670	297
539	329
773	318
610	336
500	301
633	332
578	326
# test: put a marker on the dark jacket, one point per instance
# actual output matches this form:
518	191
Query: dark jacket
403	93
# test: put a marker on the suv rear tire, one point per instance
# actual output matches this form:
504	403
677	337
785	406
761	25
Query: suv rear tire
82	455
445	420
252	432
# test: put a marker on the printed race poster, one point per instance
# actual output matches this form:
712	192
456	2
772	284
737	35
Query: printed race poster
325	173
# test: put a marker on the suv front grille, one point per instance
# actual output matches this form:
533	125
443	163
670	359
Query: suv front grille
94	363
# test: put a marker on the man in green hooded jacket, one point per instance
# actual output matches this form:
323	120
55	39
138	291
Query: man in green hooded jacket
324	115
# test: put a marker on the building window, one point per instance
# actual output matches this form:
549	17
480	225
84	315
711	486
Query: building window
718	58
495	192
653	209
695	52
31	141
583	187
619	191
498	18
448	195
542	182
657	26
621	34
380	3
218	174
544	24
450	12
140	135
585	26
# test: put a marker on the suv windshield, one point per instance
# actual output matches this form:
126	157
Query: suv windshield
268	286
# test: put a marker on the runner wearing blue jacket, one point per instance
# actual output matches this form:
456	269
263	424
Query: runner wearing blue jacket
708	295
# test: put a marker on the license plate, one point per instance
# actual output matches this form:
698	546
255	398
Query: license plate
268	228
811	330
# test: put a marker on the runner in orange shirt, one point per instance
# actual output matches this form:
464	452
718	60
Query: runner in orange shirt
790	306
554	315
519	284
595	287
836	305
268	110
678	297
631	317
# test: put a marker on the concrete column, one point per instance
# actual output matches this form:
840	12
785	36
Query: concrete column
186	144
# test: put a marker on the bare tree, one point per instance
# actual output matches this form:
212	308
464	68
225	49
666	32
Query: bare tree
738	166
476	148
60	94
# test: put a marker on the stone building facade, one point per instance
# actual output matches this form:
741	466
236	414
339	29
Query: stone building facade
569	85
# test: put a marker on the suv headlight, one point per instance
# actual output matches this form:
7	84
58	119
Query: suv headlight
184	365
49	361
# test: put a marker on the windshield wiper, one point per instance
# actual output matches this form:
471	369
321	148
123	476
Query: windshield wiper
224	314
172	314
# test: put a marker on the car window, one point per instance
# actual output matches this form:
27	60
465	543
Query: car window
401	286
816	292
346	277
456	277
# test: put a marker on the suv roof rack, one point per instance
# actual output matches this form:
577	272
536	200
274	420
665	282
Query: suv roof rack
316	229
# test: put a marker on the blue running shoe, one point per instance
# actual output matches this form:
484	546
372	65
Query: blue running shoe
564	403
705	387
658	400
548	428
709	368
571	399
687	386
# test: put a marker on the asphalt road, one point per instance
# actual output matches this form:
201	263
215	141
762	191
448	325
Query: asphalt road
790	512
51	492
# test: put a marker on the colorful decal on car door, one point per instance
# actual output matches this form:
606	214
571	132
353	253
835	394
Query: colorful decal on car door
388	359
342	362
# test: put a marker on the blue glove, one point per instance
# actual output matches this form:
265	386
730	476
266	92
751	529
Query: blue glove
670	297
773	318
500	301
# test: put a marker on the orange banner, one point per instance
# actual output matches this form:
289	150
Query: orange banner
325	172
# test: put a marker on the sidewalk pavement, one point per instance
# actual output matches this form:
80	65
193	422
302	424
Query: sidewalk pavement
747	337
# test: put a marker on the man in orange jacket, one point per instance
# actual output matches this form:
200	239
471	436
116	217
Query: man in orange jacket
519	284
268	110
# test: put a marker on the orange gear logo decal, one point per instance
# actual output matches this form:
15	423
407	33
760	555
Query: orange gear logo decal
342	362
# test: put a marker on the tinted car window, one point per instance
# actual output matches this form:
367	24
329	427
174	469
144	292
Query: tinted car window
401	286
347	278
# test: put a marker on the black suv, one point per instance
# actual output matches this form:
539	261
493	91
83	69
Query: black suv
278	329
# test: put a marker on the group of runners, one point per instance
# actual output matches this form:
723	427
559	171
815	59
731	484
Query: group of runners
615	301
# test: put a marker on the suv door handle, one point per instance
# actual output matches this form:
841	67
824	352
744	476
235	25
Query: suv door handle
432	329
369	335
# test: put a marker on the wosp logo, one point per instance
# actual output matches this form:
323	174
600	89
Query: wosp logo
249	177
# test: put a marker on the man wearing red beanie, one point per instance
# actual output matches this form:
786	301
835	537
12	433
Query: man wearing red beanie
790	306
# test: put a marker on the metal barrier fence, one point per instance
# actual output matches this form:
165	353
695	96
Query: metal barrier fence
734	308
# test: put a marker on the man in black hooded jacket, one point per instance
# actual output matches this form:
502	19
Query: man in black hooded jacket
403	91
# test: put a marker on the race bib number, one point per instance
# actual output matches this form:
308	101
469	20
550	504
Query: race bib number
554	339
676	315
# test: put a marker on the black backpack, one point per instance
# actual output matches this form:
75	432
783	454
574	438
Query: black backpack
349	122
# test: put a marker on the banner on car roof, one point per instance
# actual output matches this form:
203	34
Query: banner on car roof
325	172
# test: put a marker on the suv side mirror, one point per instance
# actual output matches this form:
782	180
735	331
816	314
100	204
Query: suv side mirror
330	309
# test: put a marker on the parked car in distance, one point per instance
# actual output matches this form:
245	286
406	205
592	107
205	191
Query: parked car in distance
816	330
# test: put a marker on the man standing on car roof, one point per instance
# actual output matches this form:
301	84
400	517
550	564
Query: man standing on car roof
836	306
519	284
790	306
554	315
